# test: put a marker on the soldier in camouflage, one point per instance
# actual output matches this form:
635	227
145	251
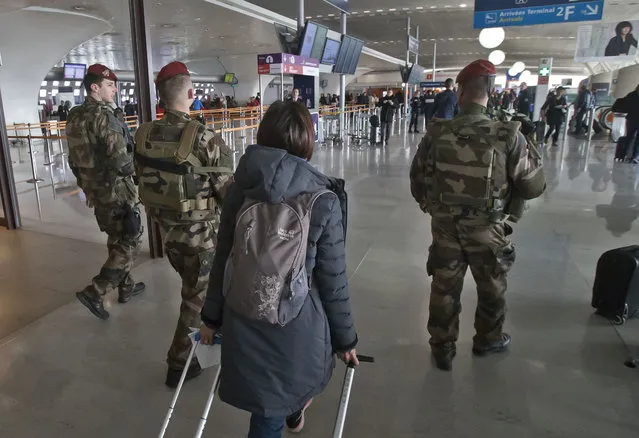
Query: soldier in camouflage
183	171
101	158
466	174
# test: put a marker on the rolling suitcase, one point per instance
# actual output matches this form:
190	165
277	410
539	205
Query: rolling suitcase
341	413
615	293
540	130
621	149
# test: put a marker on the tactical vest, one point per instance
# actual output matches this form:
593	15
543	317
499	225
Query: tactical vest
169	172
468	166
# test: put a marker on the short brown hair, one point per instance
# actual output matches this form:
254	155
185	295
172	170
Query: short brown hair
173	89
90	79
288	126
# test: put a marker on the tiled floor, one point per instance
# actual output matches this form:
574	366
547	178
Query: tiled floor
68	374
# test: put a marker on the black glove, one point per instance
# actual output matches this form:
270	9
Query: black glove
132	222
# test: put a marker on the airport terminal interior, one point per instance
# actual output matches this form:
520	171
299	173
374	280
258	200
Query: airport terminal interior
569	372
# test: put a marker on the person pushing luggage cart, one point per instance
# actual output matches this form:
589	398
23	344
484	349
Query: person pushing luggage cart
278	287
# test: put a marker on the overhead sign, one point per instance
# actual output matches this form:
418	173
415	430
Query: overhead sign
342	5
607	42
413	44
502	13
285	63
434	84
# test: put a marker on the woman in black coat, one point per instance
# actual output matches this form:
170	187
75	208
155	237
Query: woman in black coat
269	370
621	43
555	111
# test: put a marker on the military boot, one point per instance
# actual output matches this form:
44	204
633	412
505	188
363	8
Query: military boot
125	293
173	375
90	298
486	348
444	355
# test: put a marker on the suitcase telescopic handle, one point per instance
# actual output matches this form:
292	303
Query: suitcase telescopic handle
362	359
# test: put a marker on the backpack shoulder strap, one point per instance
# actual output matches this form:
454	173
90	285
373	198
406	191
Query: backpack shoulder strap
142	135
184	150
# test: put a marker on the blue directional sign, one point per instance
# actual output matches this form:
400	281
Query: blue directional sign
432	84
503	13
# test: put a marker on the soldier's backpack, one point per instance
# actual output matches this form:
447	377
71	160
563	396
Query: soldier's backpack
469	164
170	174
265	277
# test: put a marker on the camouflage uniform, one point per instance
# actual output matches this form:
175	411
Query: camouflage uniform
449	181
100	156
190	237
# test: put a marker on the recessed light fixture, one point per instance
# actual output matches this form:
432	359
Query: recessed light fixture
392	10
380	10
419	7
366	12
463	5
331	15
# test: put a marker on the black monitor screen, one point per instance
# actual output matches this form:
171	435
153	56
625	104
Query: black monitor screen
331	49
348	56
416	75
309	39
288	38
74	71
312	44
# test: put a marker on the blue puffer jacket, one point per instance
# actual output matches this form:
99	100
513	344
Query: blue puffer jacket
272	370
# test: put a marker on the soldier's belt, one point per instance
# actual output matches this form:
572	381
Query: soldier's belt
448	199
178	169
182	206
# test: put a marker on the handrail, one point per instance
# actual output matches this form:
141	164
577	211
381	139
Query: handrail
231	114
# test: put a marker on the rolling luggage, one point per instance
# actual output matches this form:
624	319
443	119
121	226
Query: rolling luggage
622	149
615	294
540	129
341	413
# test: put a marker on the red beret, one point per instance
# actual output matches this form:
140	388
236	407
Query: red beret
102	71
481	67
173	69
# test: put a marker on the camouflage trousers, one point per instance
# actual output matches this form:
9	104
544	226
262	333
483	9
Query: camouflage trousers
123	249
490	254
190	249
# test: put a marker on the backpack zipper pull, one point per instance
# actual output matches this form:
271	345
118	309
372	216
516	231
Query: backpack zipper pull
247	236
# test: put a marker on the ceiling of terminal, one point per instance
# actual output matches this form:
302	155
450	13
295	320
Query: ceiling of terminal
195	30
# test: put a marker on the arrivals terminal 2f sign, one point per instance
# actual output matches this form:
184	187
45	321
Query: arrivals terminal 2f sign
502	13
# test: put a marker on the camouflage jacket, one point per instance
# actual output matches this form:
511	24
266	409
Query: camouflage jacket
210	150
472	168
101	154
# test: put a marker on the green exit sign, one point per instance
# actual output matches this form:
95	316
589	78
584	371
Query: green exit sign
544	71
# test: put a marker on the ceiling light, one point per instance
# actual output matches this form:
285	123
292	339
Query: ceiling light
518	67
380	10
463	5
79	8
331	15
433	7
492	37
525	76
366	12
497	57
392	10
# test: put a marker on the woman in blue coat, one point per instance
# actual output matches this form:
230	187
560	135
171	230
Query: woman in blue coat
273	371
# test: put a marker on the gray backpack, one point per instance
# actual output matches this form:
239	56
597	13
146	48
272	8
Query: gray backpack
265	276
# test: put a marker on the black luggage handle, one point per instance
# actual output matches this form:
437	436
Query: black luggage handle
362	358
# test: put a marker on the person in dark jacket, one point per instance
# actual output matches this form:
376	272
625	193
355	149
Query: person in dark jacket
555	109
583	104
631	107
428	103
274	371
524	100
446	102
620	44
389	105
415	108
